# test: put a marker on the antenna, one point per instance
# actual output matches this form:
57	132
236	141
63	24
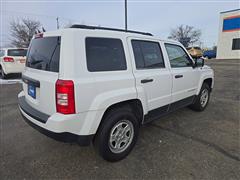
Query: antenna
126	15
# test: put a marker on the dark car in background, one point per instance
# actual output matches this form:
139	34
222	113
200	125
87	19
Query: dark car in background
209	54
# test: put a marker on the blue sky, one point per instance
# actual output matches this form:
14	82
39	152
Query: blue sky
155	16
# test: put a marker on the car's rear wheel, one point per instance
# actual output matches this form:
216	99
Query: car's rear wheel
202	99
4	76
117	134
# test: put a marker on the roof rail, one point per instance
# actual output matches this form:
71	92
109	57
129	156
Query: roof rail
106	28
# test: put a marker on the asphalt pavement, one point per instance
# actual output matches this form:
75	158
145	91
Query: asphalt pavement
183	145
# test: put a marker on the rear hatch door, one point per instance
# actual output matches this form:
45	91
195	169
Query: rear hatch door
42	72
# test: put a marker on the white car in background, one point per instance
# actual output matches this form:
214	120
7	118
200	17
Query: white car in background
12	60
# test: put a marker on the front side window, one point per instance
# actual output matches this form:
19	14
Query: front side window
236	44
177	56
147	54
105	54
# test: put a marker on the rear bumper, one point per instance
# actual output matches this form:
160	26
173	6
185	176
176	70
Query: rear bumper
10	68
30	113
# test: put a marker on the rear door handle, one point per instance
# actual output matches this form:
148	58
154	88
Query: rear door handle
178	76
146	81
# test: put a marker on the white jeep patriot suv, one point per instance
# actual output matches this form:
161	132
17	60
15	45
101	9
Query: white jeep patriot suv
92	84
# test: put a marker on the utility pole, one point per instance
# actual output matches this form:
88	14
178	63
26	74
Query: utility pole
57	23
126	15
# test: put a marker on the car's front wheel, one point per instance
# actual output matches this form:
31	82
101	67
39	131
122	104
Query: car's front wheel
202	99
117	134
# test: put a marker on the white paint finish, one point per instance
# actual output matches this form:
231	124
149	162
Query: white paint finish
96	91
187	85
158	92
153	94
224	46
45	95
205	73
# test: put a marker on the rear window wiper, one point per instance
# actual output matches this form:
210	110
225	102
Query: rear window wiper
36	62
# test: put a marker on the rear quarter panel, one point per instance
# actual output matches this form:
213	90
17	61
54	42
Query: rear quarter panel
96	90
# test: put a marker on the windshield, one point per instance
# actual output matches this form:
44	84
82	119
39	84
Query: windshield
17	52
44	54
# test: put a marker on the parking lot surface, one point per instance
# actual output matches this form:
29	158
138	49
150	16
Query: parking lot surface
182	145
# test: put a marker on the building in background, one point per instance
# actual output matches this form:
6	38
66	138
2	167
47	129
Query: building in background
228	46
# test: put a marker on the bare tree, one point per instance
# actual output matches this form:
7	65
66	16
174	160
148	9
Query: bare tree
185	34
23	31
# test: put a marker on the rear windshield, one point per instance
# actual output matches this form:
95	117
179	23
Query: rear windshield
17	52
44	54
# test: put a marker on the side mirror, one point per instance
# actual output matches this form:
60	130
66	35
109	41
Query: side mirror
199	62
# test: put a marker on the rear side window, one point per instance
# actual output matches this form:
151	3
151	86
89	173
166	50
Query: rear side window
147	54
17	52
44	54
105	54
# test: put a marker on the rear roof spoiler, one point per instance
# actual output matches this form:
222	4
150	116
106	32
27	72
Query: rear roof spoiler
110	29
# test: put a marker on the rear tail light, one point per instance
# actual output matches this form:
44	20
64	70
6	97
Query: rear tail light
65	102
8	59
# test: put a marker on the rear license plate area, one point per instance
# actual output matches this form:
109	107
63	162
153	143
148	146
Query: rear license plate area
32	91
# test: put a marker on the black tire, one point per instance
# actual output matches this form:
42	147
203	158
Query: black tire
4	76
102	138
197	105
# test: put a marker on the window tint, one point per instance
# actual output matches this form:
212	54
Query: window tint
105	54
177	56
147	54
17	52
44	54
236	44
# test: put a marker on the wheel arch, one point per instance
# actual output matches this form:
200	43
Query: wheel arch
208	80
134	104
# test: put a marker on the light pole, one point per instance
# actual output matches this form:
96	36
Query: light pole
57	22
126	15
